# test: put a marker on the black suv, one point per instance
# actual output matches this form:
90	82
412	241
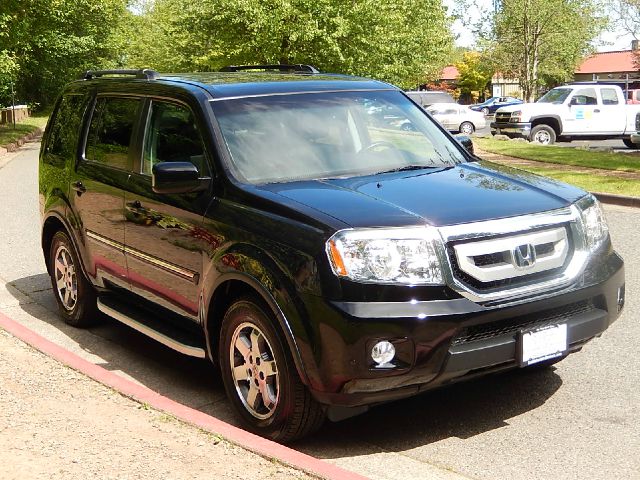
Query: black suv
325	257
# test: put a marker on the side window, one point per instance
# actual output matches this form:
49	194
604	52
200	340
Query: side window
110	131
586	96
609	96
172	136
63	134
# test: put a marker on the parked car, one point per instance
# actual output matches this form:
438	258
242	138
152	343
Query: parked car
457	118
424	98
326	262
492	104
582	111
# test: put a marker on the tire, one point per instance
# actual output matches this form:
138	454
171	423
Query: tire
485	111
74	294
289	411
629	144
543	135
467	128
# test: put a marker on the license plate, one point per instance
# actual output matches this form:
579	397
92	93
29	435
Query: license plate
542	344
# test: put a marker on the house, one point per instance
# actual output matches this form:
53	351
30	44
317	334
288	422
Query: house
617	67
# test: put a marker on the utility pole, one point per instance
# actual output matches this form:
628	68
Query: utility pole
13	105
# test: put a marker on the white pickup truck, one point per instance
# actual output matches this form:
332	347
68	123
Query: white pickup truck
573	111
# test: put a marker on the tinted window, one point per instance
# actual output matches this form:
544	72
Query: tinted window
63	133
609	96
110	131
172	136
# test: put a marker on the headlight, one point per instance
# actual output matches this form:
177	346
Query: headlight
595	226
515	116
386	255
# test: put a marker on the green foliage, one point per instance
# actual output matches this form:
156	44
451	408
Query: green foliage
401	41
51	41
541	42
475	73
8	70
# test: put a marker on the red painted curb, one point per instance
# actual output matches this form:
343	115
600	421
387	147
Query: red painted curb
242	438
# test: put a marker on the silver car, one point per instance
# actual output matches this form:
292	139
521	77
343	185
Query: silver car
457	118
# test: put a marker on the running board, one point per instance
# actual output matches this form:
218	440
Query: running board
143	325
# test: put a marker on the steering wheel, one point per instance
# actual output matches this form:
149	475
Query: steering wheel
381	143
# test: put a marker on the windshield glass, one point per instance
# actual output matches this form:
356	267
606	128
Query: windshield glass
283	138
555	95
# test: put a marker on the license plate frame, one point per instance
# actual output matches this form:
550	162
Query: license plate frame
538	344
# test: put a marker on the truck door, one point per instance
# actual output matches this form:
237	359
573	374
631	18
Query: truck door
612	117
579	117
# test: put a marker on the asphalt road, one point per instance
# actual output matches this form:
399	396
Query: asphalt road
580	420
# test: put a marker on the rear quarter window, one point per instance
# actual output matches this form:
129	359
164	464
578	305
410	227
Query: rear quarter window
63	133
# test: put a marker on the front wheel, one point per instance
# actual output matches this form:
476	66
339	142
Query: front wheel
260	378
467	128
485	111
543	134
629	144
74	294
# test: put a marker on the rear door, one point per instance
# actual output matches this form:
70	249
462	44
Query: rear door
610	116
97	186
165	242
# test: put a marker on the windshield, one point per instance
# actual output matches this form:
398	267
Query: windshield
555	95
283	138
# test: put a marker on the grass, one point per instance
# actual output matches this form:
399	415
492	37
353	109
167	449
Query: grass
561	155
590	182
9	135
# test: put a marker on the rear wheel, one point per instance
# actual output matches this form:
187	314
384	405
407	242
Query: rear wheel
543	134
260	378
74	294
467	128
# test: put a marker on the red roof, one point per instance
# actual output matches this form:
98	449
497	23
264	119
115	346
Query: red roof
609	62
449	73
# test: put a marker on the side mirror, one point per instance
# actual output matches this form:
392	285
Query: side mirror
466	142
177	177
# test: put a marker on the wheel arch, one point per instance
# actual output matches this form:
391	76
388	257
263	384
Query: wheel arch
51	224
279	302
551	120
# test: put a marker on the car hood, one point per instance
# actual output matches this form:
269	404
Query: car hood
465	193
530	108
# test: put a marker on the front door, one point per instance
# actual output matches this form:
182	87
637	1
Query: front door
165	243
579	114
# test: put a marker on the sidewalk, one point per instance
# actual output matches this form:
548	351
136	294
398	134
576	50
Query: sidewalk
56	423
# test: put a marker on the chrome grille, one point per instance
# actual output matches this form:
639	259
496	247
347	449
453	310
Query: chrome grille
504	258
503	117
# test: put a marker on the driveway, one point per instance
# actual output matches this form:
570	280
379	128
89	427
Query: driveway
578	420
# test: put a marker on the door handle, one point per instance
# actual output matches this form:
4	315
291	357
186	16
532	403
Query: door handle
596	110
79	187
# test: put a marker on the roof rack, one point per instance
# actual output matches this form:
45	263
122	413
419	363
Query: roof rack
299	68
146	74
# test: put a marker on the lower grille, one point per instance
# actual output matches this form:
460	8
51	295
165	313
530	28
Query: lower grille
512	326
503	117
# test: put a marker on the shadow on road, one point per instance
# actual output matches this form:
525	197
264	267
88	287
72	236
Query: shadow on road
461	411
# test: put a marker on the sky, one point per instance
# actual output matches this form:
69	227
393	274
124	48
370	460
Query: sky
608	41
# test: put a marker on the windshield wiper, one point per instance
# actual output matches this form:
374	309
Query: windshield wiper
407	168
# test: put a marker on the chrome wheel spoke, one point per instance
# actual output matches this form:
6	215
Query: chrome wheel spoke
61	283
269	368
268	396
243	346
255	342
252	397
240	373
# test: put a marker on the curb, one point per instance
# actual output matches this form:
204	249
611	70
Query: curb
621	200
249	441
12	147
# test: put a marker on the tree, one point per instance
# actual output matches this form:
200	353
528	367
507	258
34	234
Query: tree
400	41
52	41
475	73
542	41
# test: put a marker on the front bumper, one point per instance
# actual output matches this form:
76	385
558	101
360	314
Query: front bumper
512	129
440	342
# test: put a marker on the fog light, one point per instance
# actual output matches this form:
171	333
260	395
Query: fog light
382	353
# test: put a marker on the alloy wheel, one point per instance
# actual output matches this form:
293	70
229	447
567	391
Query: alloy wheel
254	370
66	280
